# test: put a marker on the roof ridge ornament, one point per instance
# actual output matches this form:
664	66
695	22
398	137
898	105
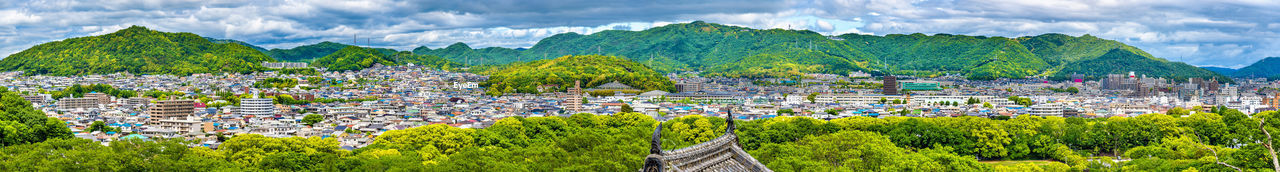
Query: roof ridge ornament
729	125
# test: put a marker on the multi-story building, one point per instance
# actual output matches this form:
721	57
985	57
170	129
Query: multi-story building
37	99
257	107
890	85
102	98
573	101
286	65
77	103
688	87
1048	109
171	110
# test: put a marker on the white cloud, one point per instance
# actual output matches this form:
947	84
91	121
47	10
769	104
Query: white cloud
13	17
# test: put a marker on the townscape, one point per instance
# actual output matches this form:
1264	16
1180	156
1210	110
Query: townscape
652	86
356	106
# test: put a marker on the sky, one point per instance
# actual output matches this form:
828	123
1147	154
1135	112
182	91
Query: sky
1221	33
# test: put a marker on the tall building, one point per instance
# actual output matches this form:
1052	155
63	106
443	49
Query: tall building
573	101
257	107
171	110
890	85
688	87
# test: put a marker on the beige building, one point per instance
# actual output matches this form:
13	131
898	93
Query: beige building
77	103
171	110
102	98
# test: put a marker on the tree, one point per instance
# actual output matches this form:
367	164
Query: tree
312	119
626	108
833	112
100	126
812	97
883	100
780	112
986	105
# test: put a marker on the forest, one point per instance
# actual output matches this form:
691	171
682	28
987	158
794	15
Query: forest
136	50
357	58
721	50
562	72
1217	139
1267	68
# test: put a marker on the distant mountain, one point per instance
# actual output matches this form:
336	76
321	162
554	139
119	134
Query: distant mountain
1221	70
562	72
356	58
136	50
222	41
721	50
1267	67
462	53
1122	60
306	53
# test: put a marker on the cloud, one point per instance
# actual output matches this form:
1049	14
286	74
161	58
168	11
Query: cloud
1219	33
14	17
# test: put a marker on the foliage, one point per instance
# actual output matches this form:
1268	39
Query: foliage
78	90
312	119
356	58
585	142
1266	67
722	50
136	50
563	72
306	53
278	83
20	123
1118	61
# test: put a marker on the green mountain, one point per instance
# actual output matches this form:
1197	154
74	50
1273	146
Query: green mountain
1267	67
356	58
1221	70
1123	61
223	41
306	52
462	53
721	50
591	70
136	50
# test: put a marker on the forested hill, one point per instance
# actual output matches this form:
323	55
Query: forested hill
356	58
722	50
307	53
1267	67
136	50
592	70
1221	70
1124	60
461	53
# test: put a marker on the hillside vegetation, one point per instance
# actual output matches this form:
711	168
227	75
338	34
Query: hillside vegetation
136	50
1267	67
721	50
591	70
356	58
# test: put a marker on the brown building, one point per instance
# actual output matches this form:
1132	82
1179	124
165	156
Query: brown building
890	85
172	110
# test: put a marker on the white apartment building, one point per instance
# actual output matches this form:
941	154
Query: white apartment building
257	107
